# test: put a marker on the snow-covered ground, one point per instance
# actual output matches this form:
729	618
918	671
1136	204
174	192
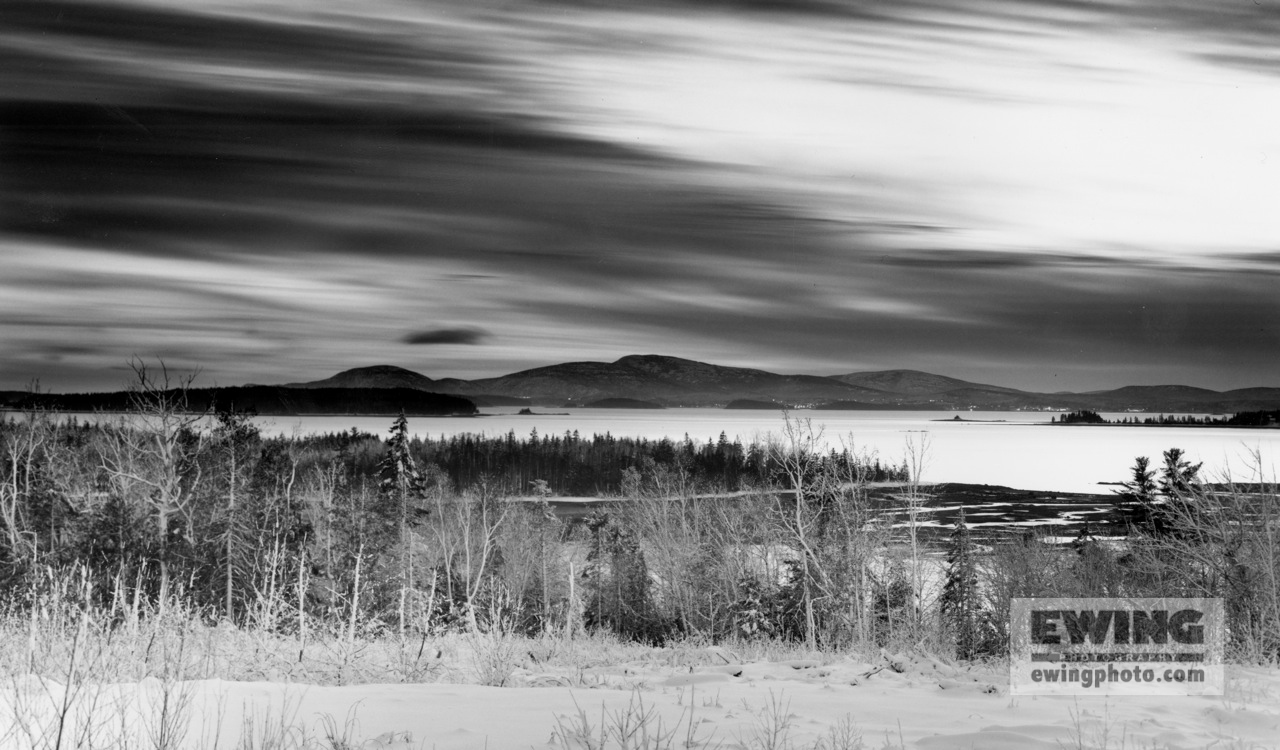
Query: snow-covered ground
700	697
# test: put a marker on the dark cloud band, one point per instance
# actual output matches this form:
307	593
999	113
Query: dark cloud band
467	336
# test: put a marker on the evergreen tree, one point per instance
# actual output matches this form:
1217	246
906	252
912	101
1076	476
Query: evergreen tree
1177	511
398	473
237	440
618	585
1157	507
1178	475
960	608
1138	494
401	485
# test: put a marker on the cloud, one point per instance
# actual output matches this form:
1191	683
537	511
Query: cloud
291	189
468	336
961	259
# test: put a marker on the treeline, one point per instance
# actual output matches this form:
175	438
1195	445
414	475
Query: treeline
1083	416
1239	419
1256	418
569	464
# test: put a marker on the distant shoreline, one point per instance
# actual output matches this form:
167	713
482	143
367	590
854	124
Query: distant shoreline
69	412
479	415
1156	424
1108	424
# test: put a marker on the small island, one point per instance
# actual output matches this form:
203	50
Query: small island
623	403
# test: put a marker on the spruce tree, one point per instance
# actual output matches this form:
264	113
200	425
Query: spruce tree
1178	482
1178	476
398	472
1138	494
238	441
1159	508
960	608
401	485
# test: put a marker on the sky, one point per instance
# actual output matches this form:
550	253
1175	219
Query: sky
1043	194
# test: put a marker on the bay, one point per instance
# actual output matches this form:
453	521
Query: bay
1013	449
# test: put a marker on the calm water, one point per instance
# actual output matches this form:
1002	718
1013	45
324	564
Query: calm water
1014	452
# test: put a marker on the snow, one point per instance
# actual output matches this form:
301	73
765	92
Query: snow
712	697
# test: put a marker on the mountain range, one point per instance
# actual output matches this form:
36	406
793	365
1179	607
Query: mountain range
264	399
649	381
672	381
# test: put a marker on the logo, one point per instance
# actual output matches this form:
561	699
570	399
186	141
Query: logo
1146	646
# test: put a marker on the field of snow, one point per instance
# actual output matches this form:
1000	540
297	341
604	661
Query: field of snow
556	694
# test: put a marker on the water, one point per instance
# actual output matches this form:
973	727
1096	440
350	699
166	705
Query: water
1015	451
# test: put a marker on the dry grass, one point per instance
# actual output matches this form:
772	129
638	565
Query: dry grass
75	676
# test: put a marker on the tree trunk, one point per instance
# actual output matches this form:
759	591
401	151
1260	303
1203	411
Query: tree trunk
162	520
231	515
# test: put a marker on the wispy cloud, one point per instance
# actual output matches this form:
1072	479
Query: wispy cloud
989	190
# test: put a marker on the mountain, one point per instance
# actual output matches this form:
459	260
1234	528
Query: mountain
1180	398
671	381
390	376
912	382
576	382
378	376
912	389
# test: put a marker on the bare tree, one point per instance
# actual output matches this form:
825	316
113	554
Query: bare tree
466	528
25	443
150	451
800	457
917	458
45	481
862	537
321	487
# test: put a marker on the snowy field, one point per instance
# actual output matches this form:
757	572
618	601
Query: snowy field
593	694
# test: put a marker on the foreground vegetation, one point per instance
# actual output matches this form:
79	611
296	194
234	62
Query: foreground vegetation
369	536
416	534
176	546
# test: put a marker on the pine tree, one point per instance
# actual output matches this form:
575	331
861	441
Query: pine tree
1160	507
618	585
1178	475
1138	494
1178	480
237	440
401	484
960	608
398	472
